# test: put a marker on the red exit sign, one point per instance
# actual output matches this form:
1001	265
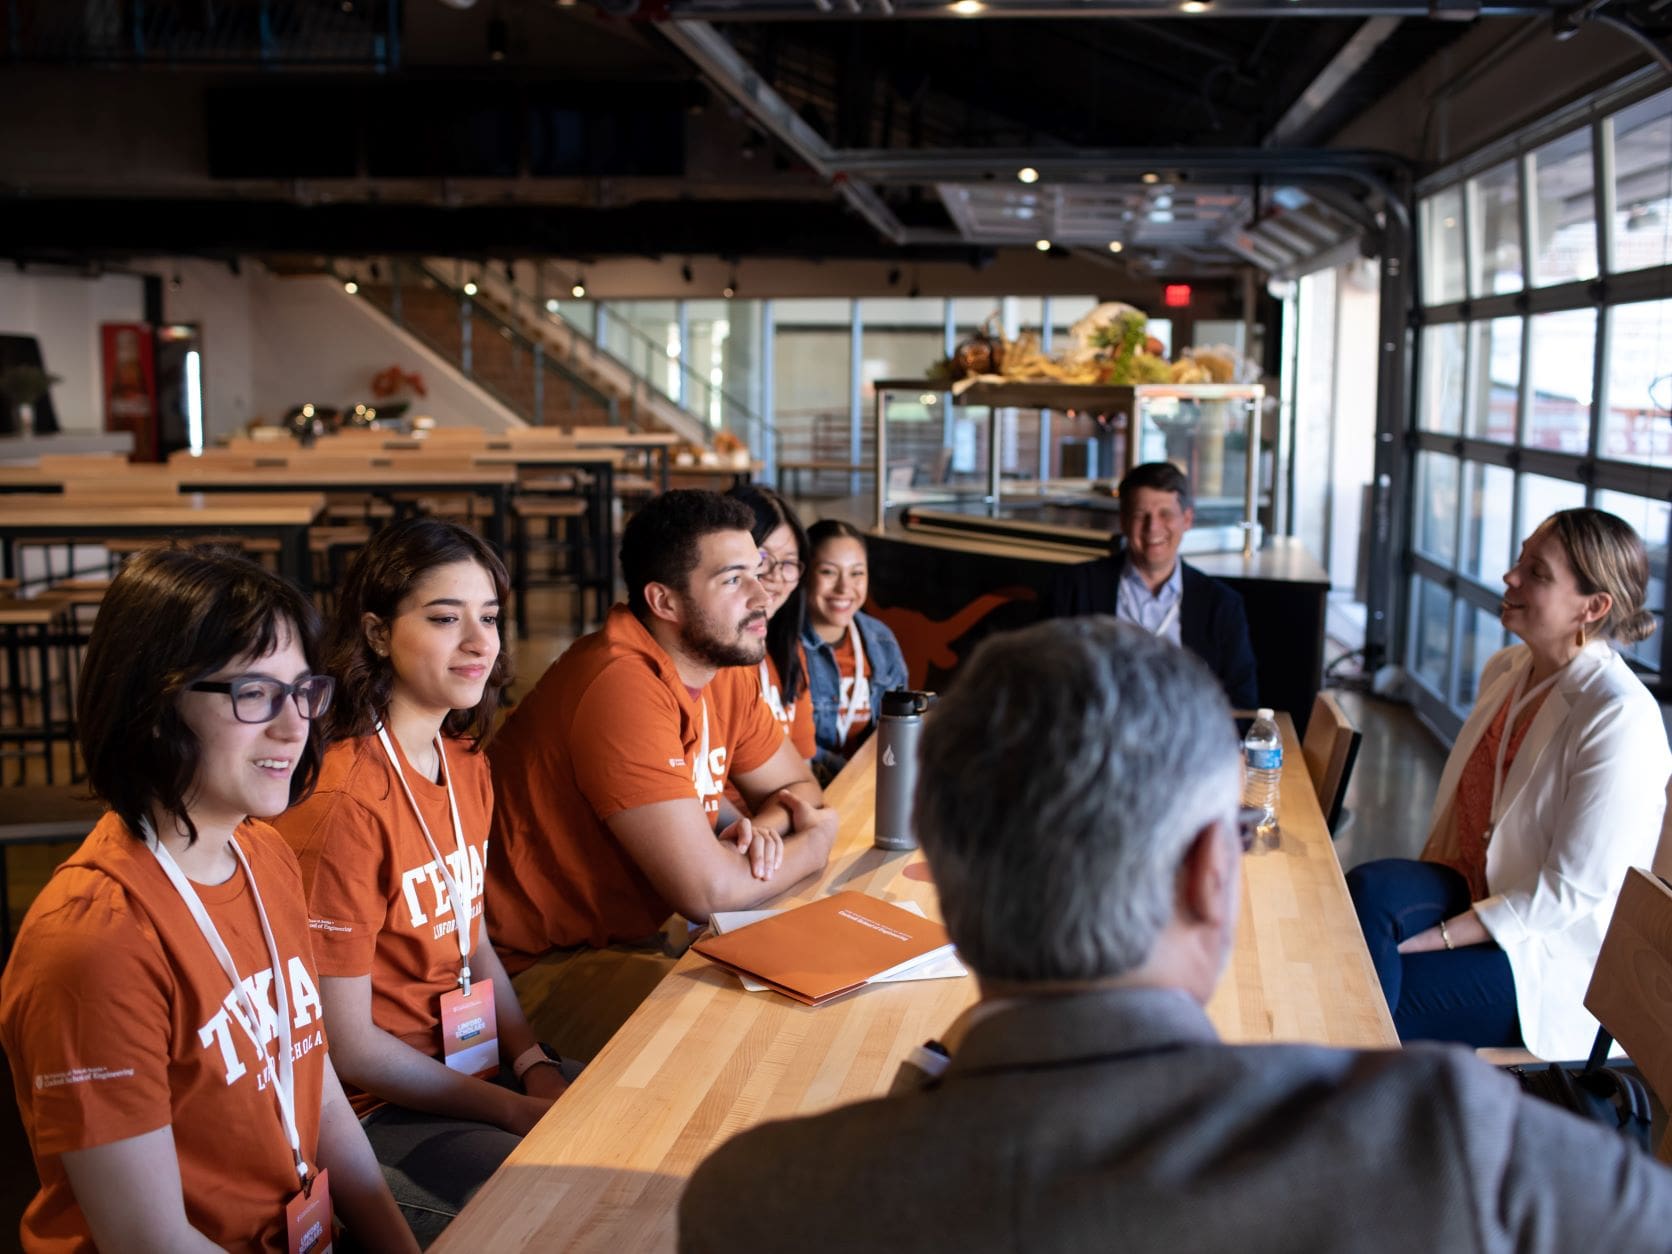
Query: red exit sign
1176	295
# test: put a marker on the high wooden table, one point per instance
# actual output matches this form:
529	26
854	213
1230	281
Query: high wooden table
701	1059
71	518
493	482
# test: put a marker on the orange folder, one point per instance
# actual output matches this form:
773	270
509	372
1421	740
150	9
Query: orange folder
828	947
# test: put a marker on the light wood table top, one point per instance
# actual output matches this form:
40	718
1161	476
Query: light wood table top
545	455
348	477
43	513
701	1059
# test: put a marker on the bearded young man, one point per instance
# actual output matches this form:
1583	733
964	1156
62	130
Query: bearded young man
608	813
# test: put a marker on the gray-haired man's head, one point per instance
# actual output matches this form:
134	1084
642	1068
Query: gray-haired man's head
1061	782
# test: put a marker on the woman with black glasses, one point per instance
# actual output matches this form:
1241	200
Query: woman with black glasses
394	845
783	671
161	1010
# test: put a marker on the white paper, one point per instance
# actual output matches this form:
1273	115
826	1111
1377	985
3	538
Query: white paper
946	967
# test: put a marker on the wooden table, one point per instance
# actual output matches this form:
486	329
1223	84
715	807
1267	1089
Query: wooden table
493	482
701	1059
598	465
76	518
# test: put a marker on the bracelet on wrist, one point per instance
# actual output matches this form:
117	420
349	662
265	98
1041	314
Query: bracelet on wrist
530	1058
1445	935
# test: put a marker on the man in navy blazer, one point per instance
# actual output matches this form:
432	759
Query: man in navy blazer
1147	585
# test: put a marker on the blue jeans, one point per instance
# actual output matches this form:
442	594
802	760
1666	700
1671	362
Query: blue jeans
1465	995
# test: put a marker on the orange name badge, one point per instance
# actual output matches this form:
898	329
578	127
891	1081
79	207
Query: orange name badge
307	1217
469	1033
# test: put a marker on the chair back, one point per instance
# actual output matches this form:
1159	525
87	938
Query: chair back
1631	988
1330	749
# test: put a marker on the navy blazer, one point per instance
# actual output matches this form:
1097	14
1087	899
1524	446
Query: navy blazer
1212	623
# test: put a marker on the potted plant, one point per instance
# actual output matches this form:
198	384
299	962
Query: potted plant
23	386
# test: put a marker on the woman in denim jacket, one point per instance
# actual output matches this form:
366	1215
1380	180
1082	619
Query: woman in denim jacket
852	658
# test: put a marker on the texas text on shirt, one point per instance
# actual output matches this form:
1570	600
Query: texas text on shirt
610	727
120	1021
796	717
377	900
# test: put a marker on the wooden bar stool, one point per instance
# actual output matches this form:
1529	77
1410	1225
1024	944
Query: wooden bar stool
30	631
565	531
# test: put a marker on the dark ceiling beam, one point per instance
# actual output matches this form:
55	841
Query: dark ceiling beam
218	228
729	73
1317	94
1149	10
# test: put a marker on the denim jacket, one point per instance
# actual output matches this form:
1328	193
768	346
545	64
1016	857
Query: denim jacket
824	683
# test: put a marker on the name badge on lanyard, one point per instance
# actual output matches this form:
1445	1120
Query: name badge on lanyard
859	695
314	1196
469	1028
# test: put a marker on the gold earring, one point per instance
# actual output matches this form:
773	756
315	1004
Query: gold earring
1579	636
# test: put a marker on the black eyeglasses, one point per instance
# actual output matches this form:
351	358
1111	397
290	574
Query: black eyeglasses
259	700
1249	819
771	568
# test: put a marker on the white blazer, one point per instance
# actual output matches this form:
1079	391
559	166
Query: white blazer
1582	803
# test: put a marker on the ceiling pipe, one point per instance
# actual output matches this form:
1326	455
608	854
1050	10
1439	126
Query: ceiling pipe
1331	79
728	72
939	10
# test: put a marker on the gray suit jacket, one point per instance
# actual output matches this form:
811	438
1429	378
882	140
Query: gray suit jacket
1118	1121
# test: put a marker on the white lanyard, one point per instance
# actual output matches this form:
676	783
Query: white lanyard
460	900
1516	706
702	775
769	694
1169	618
859	696
283	1080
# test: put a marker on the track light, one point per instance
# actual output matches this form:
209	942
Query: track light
686	273
579	290
1027	174
351	287
470	288
730	289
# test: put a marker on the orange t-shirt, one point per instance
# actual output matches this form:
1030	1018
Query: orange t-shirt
118	1020
377	902
609	727
1474	792
796	718
846	667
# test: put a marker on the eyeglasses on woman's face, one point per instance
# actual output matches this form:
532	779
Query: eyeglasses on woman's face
258	699
788	571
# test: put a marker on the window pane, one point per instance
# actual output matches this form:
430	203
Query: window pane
1650	519
1564	219
1480	635
1436	506
1431	634
1486	521
1440	405
1540	498
1495	222
1563	348
1643	184
1496	367
1442	251
1635	426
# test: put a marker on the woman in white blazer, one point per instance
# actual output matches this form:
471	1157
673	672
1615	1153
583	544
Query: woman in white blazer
1555	786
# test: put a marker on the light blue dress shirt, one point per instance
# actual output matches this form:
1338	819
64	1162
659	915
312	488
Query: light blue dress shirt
1157	613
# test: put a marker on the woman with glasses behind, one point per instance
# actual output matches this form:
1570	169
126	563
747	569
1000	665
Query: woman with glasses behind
393	845
161	1008
784	556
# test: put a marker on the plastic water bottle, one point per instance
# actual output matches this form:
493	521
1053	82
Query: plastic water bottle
1262	754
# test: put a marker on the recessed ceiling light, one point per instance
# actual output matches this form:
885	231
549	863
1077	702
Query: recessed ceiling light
1115	245
1043	245
1193	6
1150	176
967	8
1027	174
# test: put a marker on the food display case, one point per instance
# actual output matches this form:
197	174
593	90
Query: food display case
1048	455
